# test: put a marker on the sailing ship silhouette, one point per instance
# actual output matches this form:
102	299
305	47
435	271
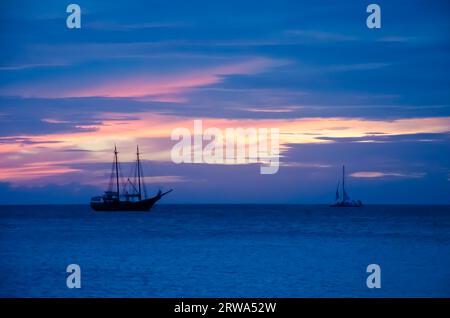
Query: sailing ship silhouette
344	201
126	200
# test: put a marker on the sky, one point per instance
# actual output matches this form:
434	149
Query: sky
376	100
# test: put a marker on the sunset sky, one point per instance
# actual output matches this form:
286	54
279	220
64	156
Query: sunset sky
377	101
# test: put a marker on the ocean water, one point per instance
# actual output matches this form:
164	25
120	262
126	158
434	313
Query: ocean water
225	251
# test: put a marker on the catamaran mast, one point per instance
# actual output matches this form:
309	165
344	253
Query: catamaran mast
117	170
139	172
343	182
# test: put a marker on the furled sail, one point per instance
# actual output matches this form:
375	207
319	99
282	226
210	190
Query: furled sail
337	193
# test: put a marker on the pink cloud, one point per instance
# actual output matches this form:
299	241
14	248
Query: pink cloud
165	87
39	158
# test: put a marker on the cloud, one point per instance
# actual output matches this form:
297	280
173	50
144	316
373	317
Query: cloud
110	127
382	137
379	174
18	67
31	171
356	67
400	39
58	155
164	179
142	83
46	194
287	109
320	36
113	26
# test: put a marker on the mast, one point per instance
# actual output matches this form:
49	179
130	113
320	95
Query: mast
343	182
337	193
139	172
117	170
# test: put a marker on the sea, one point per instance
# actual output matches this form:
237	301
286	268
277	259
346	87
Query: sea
226	251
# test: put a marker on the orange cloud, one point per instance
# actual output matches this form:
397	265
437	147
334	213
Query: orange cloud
152	132
379	174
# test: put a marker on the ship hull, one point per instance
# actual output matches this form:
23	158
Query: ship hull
124	206
346	205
